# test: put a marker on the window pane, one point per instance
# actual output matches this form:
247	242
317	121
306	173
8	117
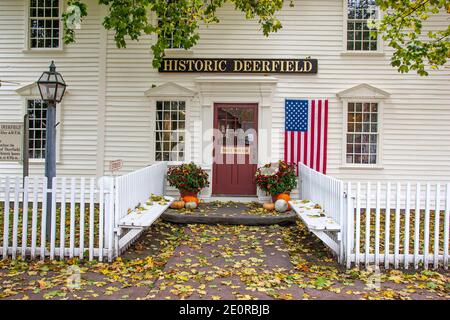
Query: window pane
351	117
366	117
350	127
373	46
366	127
365	159
349	148
374	127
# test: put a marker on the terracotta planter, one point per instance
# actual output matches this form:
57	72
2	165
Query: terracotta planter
184	193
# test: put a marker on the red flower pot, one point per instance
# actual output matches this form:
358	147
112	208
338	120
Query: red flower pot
184	193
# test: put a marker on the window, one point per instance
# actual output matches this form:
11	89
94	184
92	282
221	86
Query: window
170	130
359	37
37	113
362	133
44	24
170	39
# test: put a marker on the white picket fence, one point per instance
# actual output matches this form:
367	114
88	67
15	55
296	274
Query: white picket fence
324	190
406	224
327	192
399	225
84	217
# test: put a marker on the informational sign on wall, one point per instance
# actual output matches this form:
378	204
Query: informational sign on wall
115	165
235	150
10	141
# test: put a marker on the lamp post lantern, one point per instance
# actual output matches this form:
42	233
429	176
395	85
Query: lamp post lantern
52	88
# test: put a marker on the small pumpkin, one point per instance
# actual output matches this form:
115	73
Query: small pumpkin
285	196
191	205
281	205
177	204
269	206
187	199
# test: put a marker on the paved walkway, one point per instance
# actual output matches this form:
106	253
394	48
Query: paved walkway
236	262
217	262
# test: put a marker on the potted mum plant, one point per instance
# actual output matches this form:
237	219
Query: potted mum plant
188	178
277	179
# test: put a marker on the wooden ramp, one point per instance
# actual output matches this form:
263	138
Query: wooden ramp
139	219
317	222
130	227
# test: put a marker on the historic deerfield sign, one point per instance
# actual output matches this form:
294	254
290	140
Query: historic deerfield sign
10	141
295	66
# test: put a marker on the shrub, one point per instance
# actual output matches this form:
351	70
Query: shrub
276	178
188	177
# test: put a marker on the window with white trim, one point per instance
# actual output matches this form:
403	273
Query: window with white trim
44	24
37	114
170	130
170	39
362	136
359	35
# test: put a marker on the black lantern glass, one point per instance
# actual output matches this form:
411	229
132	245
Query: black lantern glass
51	85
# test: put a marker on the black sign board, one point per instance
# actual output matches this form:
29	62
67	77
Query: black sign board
218	65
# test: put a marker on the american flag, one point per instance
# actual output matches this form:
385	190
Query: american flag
305	136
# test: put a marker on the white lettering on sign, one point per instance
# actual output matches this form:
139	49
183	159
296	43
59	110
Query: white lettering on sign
10	141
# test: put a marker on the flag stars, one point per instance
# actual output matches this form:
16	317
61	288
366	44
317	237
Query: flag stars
296	118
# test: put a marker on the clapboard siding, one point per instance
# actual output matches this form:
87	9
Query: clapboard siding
414	121
415	130
77	63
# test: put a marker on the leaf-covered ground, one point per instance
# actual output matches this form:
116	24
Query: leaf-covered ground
217	262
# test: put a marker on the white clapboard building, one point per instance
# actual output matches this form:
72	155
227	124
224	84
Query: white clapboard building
373	122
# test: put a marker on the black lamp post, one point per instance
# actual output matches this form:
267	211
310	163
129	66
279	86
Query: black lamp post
52	88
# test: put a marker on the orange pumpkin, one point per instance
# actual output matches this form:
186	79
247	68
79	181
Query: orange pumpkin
190	199
284	196
269	206
177	204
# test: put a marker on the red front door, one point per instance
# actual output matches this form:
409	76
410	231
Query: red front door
235	149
